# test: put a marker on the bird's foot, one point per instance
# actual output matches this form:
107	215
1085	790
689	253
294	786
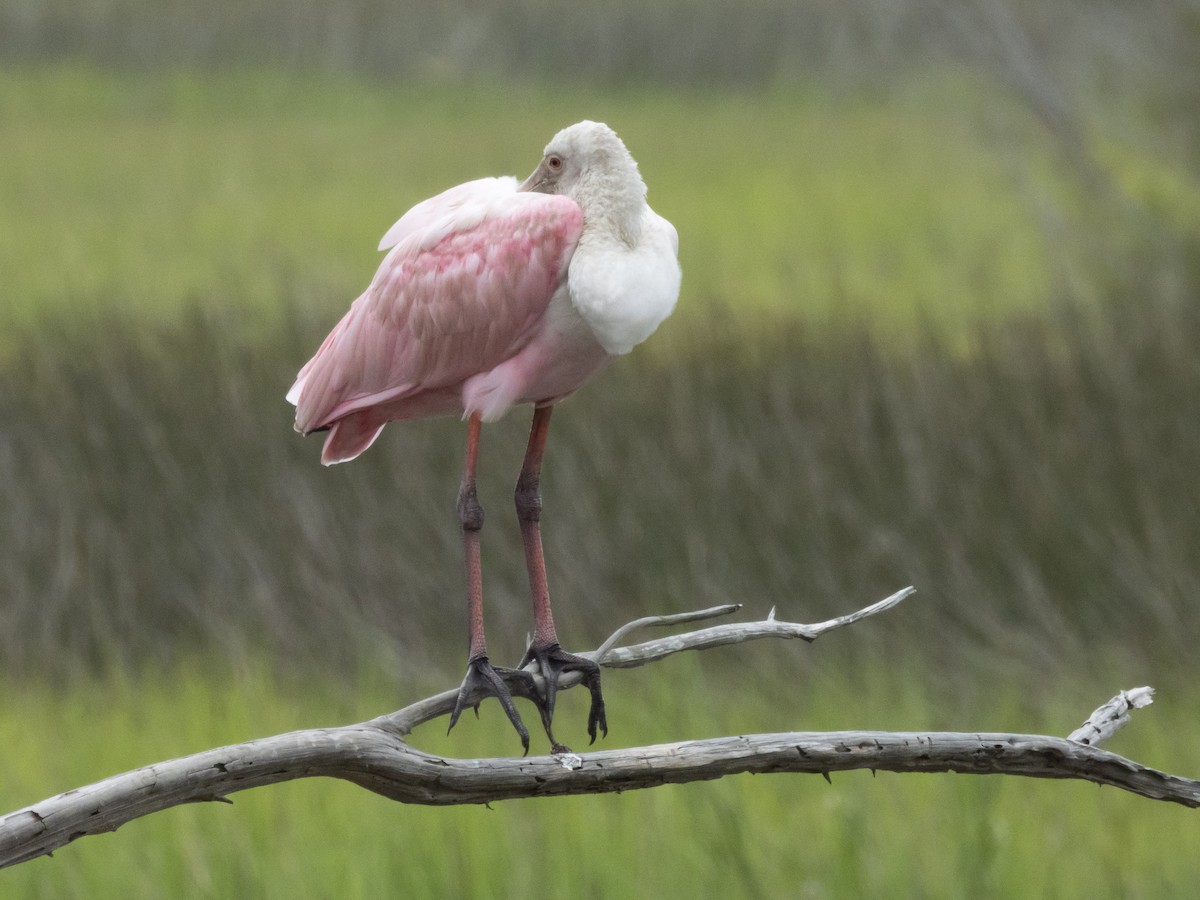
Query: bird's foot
553	662
483	680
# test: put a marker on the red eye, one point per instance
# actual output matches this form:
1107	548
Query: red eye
554	163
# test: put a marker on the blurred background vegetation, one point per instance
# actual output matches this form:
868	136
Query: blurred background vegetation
939	326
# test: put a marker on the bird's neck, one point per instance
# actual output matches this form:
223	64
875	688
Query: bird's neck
622	226
614	221
613	202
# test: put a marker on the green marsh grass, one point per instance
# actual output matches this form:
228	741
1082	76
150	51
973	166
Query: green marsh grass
1040	491
263	192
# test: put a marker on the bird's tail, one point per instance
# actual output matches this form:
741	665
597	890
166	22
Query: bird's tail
350	436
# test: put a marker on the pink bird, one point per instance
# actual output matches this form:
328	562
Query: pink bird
495	294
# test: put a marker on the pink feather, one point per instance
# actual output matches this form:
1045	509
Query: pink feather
454	321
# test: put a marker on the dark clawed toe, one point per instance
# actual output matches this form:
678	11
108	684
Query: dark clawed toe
483	680
596	716
553	662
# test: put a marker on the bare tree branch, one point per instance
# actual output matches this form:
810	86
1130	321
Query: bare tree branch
405	720
375	756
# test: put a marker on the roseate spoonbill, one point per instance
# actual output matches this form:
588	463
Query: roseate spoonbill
495	294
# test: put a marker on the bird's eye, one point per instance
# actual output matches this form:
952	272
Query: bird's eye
554	163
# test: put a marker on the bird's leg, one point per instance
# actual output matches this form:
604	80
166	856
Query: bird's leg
482	678
552	659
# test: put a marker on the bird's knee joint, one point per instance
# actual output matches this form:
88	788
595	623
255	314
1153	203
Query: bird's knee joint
529	500
470	510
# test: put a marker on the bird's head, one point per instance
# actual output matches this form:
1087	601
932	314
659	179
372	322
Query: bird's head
589	163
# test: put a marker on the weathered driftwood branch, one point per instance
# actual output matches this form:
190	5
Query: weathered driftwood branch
374	755
611	656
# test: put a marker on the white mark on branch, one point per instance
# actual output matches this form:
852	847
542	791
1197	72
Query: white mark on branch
569	761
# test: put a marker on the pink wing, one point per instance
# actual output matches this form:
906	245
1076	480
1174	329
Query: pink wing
464	288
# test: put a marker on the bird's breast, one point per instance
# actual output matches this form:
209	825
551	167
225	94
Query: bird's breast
624	293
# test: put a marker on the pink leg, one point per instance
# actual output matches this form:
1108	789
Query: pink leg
470	517
482	678
529	513
552	659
